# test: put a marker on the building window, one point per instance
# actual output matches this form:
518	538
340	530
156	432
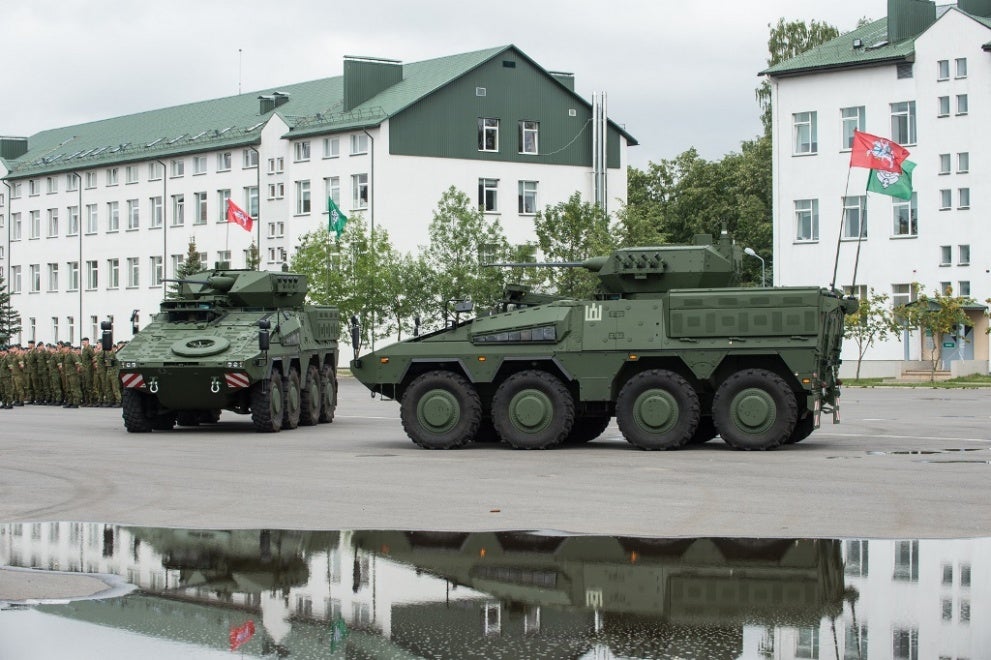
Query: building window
251	200
359	191
15	279
155	211
113	216
961	67
222	196
55	328
945	199
943	105
944	163
52	223
155	264
176	261
92	219
250	158
488	191
71	183
73	221
90	180
906	216
133	272
276	229
529	134
945	255
903	122
359	144
73	275
133	215
113	273
856	563
199	199
34	188
964	287
53	277
805	133
331	147
155	171
199	164
131	174
178	210
224	161
276	165
965	575
276	190
332	189
178	168
527	197
807	642
855	217
488	134
15	191
943	70
963	197
35	228
906	561
112	176
15	226
302	197
34	273
963	255
963	162
224	255
904	70
852	119
52	185
302	151
92	275
962	105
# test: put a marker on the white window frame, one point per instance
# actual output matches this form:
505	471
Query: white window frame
71	182
51	185
53	277
359	144
92	274
34	277
851	119
945	163
223	194
249	159
178	210
963	104
527	197
359	191
945	199
199	165
73	275
963	198
805	133
15	279
942	70
301	151
35	226
133	214
155	267
904	129
943	106
963	287
201	210
806	220
303	202
92	219
963	254
855	217
529	136
960	67
945	255
15	226
113	273
155	171
178	168
488	195
332	189
905	215
53	223
963	162
73	228
488	134
332	147
276	165
251	200
131	174
156	212
224	161
113	217
90	180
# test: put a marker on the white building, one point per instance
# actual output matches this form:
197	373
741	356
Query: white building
93	217
920	77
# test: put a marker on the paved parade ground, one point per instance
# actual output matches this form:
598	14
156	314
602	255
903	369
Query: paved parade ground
905	463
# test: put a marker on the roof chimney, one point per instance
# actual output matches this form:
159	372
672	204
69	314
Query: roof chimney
975	7
565	78
364	77
908	18
13	147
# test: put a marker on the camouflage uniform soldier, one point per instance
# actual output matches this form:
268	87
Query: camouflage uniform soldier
27	357
71	370
55	377
18	374
113	373
6	383
86	359
39	374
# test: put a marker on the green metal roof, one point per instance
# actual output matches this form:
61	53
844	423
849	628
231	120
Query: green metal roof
314	107
839	53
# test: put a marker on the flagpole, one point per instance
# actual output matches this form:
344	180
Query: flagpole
860	240
839	236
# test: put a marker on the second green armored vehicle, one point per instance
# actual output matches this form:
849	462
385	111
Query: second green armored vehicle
670	347
237	340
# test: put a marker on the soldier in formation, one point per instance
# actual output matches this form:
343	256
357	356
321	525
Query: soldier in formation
59	374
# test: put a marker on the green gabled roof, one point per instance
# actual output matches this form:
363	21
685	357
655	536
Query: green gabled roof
314	107
839	53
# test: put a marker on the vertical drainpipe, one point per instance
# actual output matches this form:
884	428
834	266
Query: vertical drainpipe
6	275
371	217
258	213
165	225
79	231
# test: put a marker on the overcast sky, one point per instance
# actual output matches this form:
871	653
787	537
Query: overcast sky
677	74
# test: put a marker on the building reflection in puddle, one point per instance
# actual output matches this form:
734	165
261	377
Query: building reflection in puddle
514	594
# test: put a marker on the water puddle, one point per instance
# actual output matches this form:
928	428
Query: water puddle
406	594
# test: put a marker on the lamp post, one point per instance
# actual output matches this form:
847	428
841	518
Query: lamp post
750	252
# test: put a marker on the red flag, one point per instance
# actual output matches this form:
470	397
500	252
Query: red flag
877	153
240	635
238	216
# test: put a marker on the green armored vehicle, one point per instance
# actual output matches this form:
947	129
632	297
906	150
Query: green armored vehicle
238	340
669	347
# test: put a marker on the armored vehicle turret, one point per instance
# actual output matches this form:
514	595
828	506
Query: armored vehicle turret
237	340
670	346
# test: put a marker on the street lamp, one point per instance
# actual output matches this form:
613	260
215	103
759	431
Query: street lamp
750	252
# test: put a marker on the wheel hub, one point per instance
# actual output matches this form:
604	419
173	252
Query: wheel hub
656	411
754	410
438	410
531	410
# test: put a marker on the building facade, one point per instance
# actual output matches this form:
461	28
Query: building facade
95	216
920	76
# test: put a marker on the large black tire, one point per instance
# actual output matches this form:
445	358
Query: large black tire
587	428
267	401
440	410
328	394
293	404
704	432
133	408
533	410
310	398
657	409
754	409
188	417
803	429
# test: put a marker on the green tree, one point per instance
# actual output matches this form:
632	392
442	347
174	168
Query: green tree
873	321
191	264
462	240
573	231
252	260
786	40
10	318
406	283
937	315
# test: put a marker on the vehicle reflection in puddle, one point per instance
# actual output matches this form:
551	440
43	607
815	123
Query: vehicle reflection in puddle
283	593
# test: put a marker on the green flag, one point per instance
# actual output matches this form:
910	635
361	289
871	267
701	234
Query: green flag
336	220
893	184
